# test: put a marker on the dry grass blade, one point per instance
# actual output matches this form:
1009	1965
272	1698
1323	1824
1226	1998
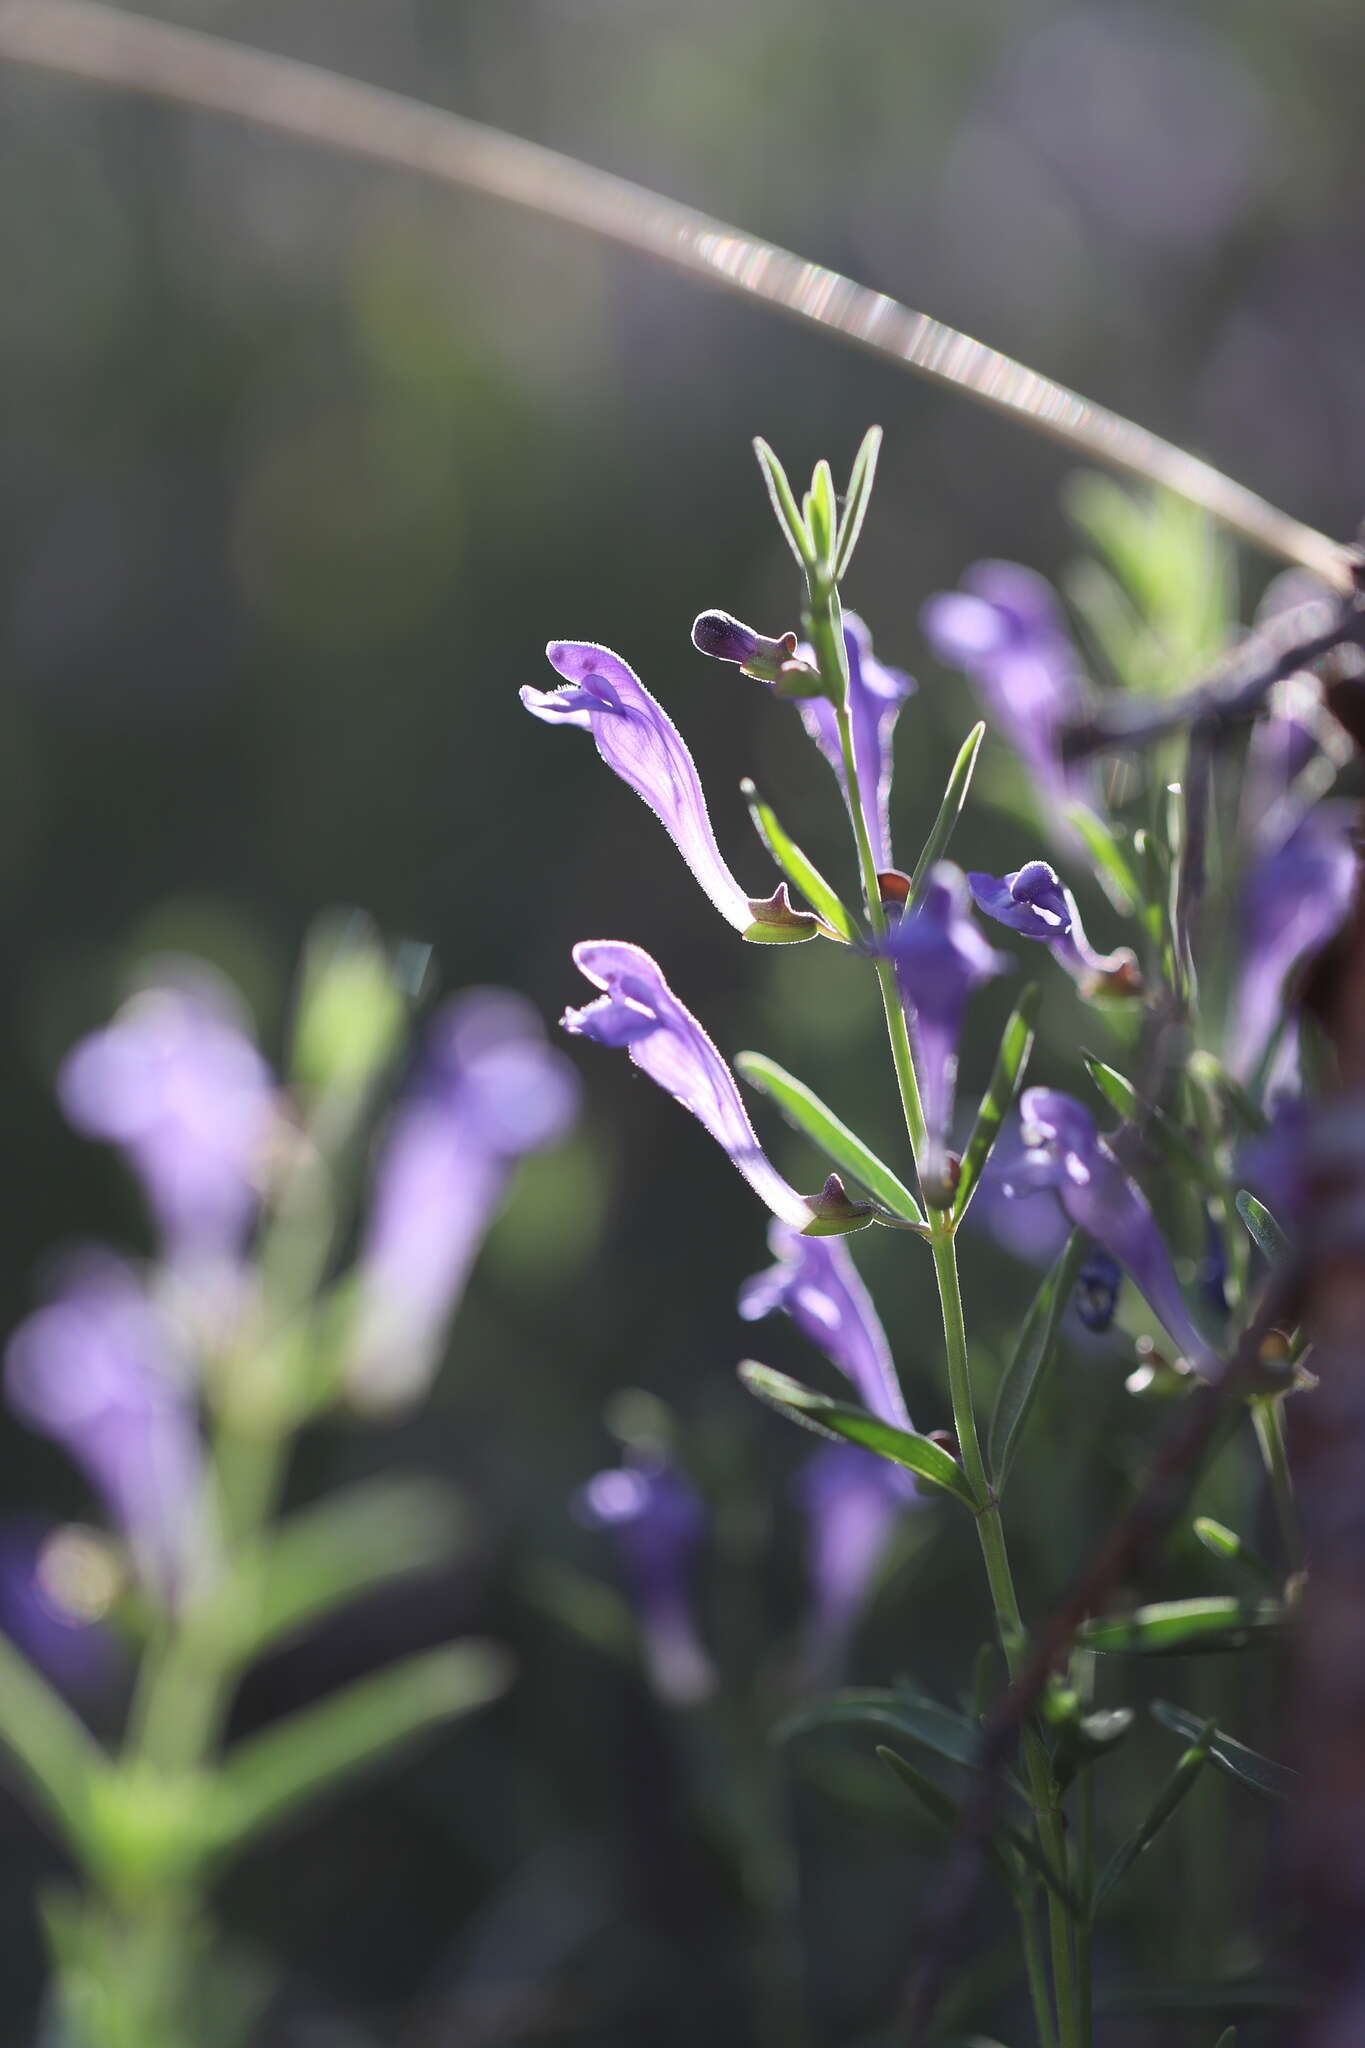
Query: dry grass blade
109	47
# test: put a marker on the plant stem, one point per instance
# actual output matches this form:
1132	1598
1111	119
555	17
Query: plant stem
1085	1889
823	626
1034	1965
1268	1419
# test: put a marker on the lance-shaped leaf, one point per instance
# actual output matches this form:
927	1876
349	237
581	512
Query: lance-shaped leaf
53	1749
264	1780
800	871
918	1454
804	1110
1177	1786
857	498
1183	1153
1002	1092
944	1811
1269	1239
784	505
324	1556
1231	1756
1225	1543
908	1715
950	810
1179	1628
1113	870
1032	1355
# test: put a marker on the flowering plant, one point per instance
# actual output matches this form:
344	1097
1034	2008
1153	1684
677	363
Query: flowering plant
1156	1201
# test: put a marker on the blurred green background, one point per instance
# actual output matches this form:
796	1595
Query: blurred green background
303	462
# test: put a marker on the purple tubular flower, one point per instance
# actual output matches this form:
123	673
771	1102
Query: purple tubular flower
639	742
939	957
176	1083
64	1640
852	1502
658	1523
816	1283
97	1370
1034	902
1005	630
1063	1151
488	1090
1294	899
875	696
639	1013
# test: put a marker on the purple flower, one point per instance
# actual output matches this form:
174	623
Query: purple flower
176	1083
1294	898
1097	1290
97	1370
939	957
852	1501
53	1589
487	1091
638	1012
816	1283
1063	1151
875	696
658	1523
1005	630
1034	902
639	742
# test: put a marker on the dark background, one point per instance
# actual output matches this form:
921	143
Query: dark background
302	464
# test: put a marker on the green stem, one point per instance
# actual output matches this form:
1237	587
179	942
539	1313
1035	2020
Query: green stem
1085	1889
1268	1420
822	624
1034	1965
1009	1621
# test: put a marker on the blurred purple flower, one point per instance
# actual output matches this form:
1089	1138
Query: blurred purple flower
816	1283
1064	1152
1293	900
939	956
639	742
487	1091
1005	630
1034	902
658	1523
65	1642
875	696
175	1082
640	1014
852	1501
97	1369
1033	1232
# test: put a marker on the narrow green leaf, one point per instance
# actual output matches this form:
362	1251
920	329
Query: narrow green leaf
1231	1756
324	1556
1002	1092
823	517
806	1113
935	1802
1270	1240
1225	1543
1170	1628
1227	2039
801	872
861	479
949	811
909	1715
784	505
1112	866
264	1779
1032	1355
1121	1095
53	1749
928	1461
1176	1788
